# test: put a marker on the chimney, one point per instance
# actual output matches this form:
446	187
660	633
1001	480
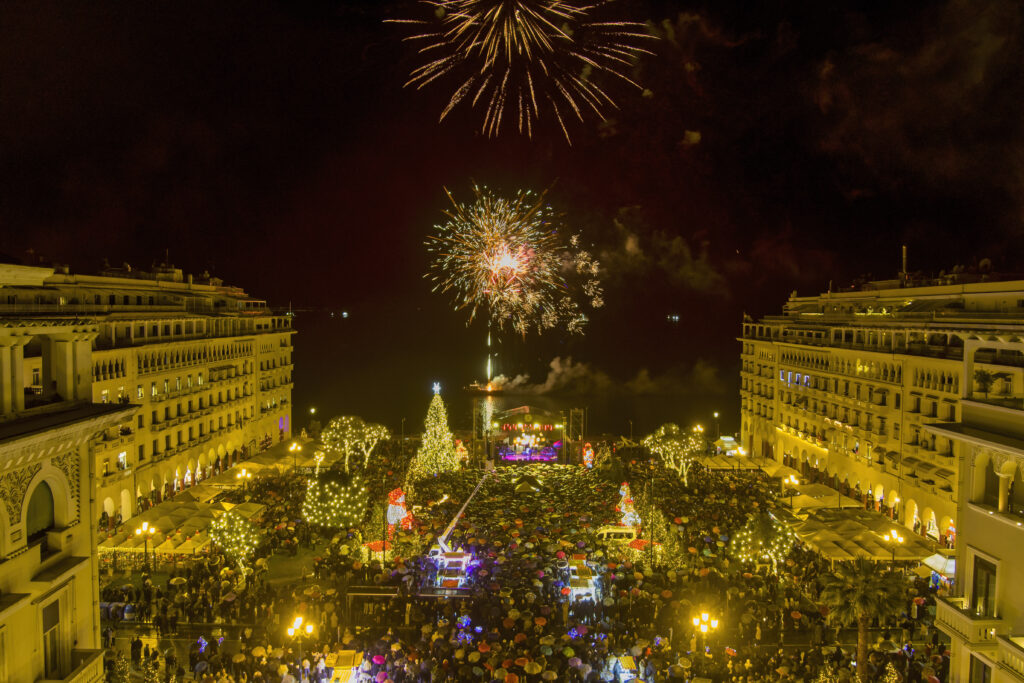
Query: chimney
903	270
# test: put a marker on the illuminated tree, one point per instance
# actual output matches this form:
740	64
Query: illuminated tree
676	448
763	538
122	670
827	674
335	501
437	451
236	536
352	436
151	671
891	675
858	593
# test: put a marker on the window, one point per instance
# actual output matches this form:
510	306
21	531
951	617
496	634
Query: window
122	460
142	421
188	381
980	671
177	384
152	389
40	512
142	452
200	379
105	396
138	392
51	640
36	378
983	593
167	386
156	447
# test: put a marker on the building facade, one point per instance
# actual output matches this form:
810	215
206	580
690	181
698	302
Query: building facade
49	596
846	385
208	367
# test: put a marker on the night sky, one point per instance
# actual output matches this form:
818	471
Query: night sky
782	145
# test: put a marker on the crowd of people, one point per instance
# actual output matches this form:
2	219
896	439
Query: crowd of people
520	615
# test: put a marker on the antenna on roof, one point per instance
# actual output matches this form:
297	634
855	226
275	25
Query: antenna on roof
903	263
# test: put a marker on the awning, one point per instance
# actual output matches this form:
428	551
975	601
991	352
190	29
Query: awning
941	564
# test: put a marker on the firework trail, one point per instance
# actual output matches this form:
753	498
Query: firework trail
517	57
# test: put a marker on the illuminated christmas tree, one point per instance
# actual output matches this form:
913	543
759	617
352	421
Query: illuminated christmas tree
763	539
333	500
236	536
437	451
151	671
351	436
827	674
122	670
891	675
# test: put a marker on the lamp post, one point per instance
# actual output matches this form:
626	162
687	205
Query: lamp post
244	476
146	531
894	539
704	623
792	481
298	631
630	430
718	432
294	450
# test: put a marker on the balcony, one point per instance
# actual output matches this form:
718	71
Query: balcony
953	617
87	667
1010	651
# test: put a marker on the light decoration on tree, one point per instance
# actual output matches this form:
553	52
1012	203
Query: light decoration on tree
625	508
763	538
891	675
350	436
437	450
236	536
122	670
676	448
397	514
827	674
333	503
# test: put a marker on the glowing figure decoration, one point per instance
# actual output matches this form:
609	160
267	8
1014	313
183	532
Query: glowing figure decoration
625	507
398	515
461	451
588	456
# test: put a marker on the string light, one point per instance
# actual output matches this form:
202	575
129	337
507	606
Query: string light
763	537
236	536
350	435
437	452
335	503
676	448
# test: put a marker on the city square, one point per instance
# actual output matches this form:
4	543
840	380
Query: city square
511	341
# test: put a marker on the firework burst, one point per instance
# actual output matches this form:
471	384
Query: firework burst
504	257
517	57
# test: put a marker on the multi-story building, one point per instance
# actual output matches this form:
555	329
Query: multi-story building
209	368
49	596
848	385
985	618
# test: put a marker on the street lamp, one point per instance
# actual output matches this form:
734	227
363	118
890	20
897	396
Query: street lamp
298	631
244	476
630	430
718	432
792	481
294	450
146	531
893	538
704	623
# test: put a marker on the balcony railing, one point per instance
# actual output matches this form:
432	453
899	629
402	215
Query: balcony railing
952	616
1011	654
86	667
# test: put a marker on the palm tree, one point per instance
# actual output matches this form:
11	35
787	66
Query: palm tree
859	592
